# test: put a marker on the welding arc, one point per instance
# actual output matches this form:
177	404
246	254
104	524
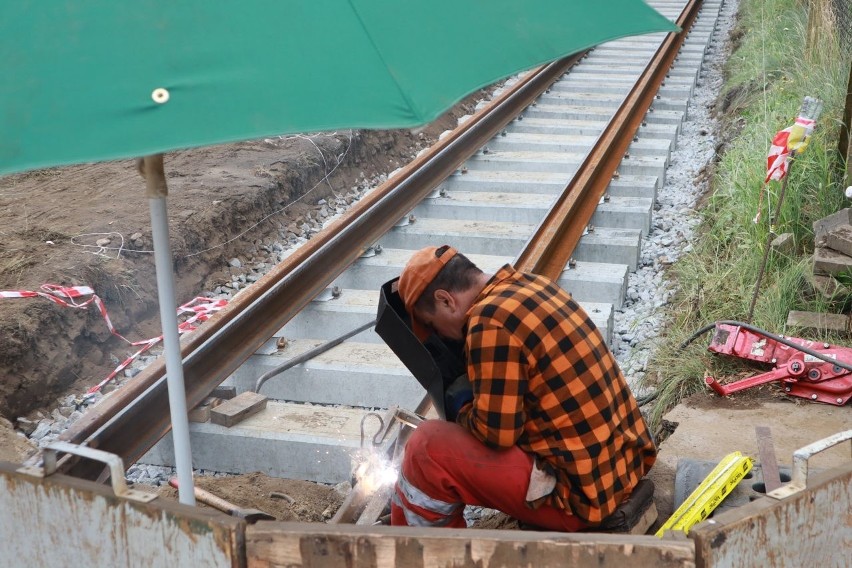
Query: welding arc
770	335
308	355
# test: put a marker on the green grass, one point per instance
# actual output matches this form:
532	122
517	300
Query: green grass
767	77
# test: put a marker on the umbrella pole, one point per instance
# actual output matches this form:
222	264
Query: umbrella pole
156	189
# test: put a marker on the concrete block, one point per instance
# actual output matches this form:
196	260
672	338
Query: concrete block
828	261
378	380
823	226
827	286
784	243
821	322
840	239
224	392
293	441
618	246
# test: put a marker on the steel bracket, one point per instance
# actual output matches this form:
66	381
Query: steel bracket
800	465
112	461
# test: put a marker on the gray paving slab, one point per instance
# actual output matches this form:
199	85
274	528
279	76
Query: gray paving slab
292	441
353	374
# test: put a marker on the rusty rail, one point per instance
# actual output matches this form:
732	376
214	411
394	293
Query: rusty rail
550	248
130	422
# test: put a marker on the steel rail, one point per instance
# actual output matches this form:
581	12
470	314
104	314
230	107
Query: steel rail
551	246
549	249
131	421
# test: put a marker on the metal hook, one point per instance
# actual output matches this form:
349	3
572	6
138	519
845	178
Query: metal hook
377	434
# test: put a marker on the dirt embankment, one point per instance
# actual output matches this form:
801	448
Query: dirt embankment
89	225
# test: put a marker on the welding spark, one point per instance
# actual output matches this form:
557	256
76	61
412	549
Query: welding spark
373	470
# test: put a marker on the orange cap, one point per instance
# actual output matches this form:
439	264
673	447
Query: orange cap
421	269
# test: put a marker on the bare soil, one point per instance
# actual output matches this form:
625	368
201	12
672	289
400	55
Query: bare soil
285	499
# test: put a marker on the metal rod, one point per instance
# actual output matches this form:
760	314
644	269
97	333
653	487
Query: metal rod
308	355
768	246
156	190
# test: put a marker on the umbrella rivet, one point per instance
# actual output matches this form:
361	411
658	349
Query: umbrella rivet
160	96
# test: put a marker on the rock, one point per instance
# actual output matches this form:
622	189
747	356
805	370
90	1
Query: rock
26	425
235	263
785	243
103	242
135	236
343	488
42	430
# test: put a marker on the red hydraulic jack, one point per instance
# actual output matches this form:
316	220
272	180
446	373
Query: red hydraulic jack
815	371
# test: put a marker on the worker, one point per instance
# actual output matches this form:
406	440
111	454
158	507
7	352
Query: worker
545	427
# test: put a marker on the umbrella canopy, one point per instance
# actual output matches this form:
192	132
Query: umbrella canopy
89	80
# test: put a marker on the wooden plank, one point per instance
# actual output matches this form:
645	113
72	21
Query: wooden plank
64	521
275	544
200	413
766	456
811	528
238	408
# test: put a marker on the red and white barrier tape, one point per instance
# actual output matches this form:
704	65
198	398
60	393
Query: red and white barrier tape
200	309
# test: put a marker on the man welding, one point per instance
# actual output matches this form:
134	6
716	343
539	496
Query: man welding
546	429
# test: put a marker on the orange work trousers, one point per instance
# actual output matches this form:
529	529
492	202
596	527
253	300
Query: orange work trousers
446	468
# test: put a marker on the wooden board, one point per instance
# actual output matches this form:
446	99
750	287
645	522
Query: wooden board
312	545
63	521
238	408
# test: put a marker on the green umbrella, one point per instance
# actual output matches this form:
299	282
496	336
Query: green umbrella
90	80
87	80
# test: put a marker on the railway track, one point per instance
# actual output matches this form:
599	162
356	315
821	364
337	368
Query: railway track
558	175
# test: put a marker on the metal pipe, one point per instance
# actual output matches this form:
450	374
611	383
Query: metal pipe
157	190
171	344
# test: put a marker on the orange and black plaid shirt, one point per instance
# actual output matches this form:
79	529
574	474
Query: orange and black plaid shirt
544	380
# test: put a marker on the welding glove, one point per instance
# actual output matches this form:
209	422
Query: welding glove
456	396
